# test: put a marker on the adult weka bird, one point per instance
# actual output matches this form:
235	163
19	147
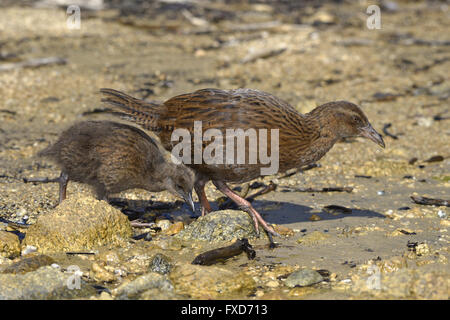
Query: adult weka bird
303	139
114	157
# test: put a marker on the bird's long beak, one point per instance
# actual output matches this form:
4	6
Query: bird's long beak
370	133
189	201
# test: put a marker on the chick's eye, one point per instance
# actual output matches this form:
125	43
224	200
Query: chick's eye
356	119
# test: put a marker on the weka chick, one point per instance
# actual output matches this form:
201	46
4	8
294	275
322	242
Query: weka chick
114	157
303	139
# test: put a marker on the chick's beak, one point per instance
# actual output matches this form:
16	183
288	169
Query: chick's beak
370	133
189	201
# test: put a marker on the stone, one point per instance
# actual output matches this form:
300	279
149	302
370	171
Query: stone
28	263
283	230
303	278
79	224
9	245
202	282
99	273
175	228
133	289
220	226
164	224
43	284
160	264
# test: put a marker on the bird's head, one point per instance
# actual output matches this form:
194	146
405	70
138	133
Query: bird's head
180	182
352	122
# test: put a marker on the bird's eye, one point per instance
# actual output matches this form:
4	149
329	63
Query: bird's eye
356	119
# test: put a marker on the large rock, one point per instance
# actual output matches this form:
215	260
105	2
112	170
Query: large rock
210	282
224	225
9	245
44	283
28	263
78	224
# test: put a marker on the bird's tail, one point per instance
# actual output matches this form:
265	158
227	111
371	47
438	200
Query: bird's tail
143	113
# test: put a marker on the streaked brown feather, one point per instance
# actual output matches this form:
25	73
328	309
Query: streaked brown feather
303	139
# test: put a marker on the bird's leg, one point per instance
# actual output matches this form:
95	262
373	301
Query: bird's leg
200	190
63	180
245	206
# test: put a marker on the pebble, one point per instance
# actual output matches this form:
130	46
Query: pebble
422	249
259	293
99	273
272	284
160	264
164	224
174	228
29	249
303	278
441	214
9	244
133	289
21	212
284	231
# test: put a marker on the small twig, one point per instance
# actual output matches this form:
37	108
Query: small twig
271	187
300	170
33	63
387	126
435	159
329	189
430	201
41	180
96	110
263	54
139	224
72	253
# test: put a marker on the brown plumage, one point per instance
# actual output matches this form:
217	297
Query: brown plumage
113	157
303	139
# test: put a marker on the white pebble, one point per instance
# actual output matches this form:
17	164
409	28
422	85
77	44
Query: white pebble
380	193
29	249
442	214
21	212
